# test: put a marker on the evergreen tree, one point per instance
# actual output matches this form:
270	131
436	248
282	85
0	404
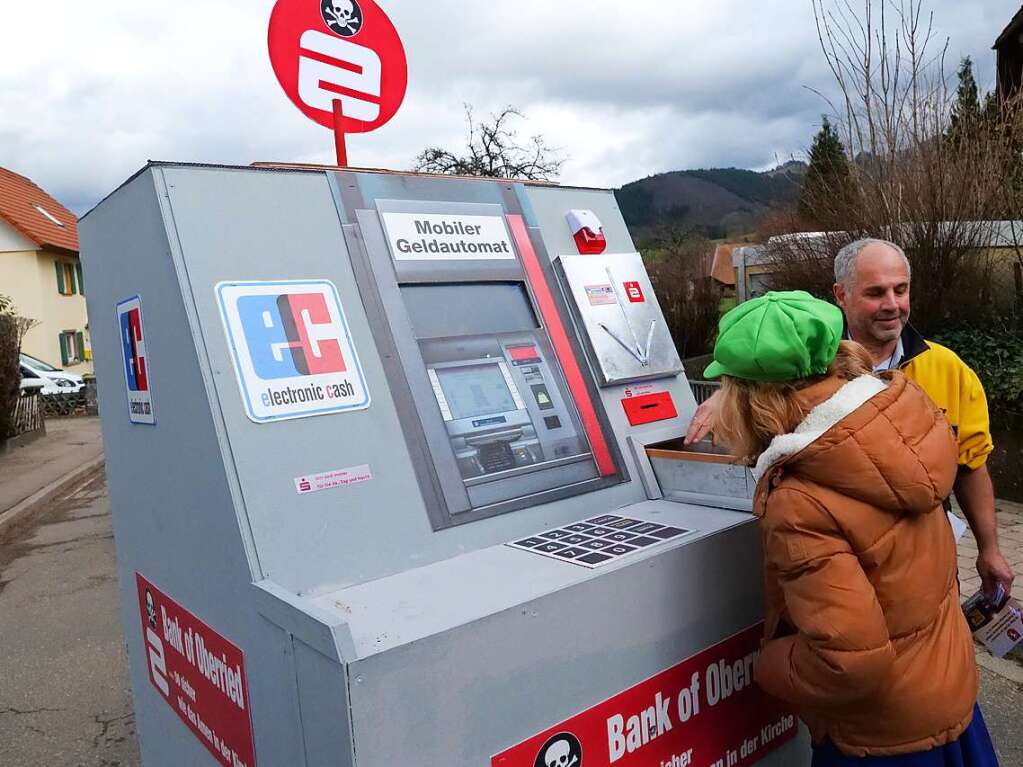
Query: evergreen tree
828	182
967	114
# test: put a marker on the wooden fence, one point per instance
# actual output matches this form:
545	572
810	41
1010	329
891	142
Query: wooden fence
28	414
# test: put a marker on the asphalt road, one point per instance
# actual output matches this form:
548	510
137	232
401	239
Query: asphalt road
64	697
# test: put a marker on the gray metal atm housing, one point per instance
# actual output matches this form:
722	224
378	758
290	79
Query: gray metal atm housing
387	621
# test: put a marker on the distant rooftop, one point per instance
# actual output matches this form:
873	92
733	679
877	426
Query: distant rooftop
36	214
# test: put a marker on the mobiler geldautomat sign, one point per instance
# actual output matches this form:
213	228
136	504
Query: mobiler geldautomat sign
425	236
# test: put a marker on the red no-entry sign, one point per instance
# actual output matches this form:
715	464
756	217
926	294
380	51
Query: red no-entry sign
340	61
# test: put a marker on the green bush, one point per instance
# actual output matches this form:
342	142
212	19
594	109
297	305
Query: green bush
997	357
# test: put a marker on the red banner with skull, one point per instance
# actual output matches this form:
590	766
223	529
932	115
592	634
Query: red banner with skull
704	712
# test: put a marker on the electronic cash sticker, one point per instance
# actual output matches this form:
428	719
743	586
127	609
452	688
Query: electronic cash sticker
292	352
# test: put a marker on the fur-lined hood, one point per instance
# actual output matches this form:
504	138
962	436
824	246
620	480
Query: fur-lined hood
865	439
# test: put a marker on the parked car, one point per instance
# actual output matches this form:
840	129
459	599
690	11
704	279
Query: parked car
58	381
31	381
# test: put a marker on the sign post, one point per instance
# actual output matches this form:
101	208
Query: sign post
339	134
341	62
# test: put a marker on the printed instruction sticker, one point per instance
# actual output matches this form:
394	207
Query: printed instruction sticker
600	295
293	354
199	674
136	361
314	483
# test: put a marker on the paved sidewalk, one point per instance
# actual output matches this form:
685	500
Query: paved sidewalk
69	445
1010	538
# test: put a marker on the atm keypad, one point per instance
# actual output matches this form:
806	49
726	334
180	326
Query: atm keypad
624	524
550	548
620	537
599	540
573	540
579	527
528	543
553	535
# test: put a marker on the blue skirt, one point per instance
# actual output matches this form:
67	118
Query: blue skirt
972	749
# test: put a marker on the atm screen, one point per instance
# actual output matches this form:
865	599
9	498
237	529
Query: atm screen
476	390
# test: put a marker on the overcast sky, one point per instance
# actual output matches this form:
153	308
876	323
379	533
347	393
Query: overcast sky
90	90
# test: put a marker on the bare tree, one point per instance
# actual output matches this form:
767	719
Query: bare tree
934	197
493	149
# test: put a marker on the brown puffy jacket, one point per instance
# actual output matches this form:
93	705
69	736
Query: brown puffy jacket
864	632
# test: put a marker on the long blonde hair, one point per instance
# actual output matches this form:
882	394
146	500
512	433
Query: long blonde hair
752	413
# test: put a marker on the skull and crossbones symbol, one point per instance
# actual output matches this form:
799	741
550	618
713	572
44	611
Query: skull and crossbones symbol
342	16
150	609
559	754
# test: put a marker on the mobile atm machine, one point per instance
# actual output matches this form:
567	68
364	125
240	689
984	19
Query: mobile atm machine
392	481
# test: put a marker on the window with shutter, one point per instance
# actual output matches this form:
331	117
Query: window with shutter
69	279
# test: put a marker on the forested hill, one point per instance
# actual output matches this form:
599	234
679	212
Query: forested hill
718	202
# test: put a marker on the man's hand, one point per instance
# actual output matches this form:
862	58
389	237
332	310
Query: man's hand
994	569
703	419
976	497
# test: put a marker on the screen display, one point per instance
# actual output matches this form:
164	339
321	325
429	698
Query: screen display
475	390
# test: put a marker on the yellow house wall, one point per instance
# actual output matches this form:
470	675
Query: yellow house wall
60	312
19	281
29	278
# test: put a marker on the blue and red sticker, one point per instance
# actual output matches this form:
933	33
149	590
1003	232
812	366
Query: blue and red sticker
291	348
135	361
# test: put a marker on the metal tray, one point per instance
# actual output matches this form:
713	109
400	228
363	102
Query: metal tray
702	474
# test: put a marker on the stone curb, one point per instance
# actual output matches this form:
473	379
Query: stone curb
10	516
1003	667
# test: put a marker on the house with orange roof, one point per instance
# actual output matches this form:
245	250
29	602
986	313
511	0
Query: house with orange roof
41	274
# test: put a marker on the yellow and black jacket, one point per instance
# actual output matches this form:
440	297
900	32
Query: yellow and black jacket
955	389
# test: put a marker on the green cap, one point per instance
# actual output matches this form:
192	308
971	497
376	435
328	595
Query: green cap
777	337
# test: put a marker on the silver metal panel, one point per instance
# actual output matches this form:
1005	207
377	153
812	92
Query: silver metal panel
323	703
534	482
410	606
175	515
547	207
497	680
616	304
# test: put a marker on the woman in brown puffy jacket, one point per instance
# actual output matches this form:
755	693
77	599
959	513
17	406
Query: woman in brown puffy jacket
864	635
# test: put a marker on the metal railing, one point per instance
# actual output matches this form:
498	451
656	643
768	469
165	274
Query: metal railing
702	390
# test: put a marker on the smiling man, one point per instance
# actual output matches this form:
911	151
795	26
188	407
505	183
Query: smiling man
872	286
872	282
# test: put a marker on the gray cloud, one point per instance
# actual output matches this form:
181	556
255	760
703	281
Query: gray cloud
87	96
